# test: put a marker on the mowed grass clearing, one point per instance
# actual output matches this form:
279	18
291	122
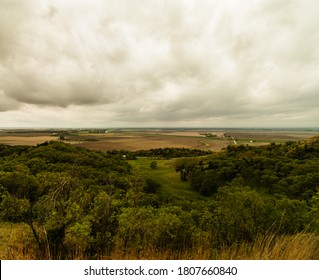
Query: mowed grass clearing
166	175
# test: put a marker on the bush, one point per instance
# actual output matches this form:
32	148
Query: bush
153	165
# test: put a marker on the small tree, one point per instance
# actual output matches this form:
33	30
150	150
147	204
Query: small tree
151	186
153	165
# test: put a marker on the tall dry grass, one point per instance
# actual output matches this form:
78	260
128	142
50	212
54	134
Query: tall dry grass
300	246
17	243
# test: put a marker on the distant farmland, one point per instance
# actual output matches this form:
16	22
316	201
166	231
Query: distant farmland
132	140
145	142
25	140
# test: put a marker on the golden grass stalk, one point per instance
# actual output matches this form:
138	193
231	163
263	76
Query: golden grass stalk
300	246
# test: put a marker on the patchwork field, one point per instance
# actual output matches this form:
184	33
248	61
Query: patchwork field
145	142
143	139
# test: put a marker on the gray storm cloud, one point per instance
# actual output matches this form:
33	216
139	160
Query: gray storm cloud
160	61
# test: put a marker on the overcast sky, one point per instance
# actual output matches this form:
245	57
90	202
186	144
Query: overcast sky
125	63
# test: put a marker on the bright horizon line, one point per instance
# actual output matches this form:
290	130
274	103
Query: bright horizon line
169	127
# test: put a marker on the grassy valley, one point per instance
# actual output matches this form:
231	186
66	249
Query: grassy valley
166	175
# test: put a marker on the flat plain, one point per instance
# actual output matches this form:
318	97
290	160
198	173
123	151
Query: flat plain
144	139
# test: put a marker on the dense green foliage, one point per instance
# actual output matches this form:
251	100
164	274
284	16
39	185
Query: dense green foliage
68	195
162	153
290	170
76	200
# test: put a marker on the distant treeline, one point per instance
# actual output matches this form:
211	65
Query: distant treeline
161	153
